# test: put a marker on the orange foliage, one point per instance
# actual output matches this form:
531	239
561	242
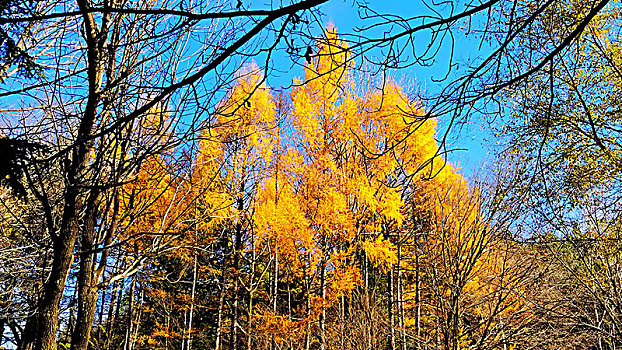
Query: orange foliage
356	166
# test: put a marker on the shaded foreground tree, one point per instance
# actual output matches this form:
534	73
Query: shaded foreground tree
14	56
565	155
113	68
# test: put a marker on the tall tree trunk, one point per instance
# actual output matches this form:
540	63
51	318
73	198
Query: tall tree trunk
139	312
370	326
323	313
2	324
275	291
65	237
54	288
417	300
307	309
127	344
251	290
342	320
390	307
235	318
28	338
87	291
400	296
221	305
113	309
100	315
18	334
192	296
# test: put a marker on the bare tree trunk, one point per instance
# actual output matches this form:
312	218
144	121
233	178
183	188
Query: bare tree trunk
115	308
55	285
400	296
111	312
138	318
100	315
390	307
307	310
28	335
53	290
127	344
64	239
370	328
235	317
275	291
221	305
417	300
323	313
87	291
192	296
250	299
342	320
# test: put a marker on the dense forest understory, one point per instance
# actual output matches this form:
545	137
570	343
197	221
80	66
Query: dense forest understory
157	193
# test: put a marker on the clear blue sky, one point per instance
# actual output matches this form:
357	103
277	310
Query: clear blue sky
473	137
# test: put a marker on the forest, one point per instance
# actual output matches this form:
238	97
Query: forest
186	174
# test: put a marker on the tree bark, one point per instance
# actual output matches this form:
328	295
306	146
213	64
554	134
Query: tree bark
221	305
55	285
87	291
64	239
417	300
235	317
390	307
127	344
275	291
192	296
323	313
29	334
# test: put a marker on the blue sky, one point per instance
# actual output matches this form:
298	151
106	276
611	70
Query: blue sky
473	138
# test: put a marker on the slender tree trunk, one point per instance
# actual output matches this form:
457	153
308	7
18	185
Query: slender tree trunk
100	315
114	310
87	291
139	312
342	319
452	342
308	325
275	291
29	334
251	290
110	315
192	296
18	335
2	324
417	300
235	318
370	326
307	310
250	321
390	307
235	315
323	313
400	296
127	344
221	305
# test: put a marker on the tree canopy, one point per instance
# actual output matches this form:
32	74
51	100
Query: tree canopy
160	190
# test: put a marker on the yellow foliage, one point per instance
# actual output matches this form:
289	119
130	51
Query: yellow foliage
282	328
380	252
282	225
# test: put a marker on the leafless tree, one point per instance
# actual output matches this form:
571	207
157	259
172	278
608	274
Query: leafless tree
109	69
